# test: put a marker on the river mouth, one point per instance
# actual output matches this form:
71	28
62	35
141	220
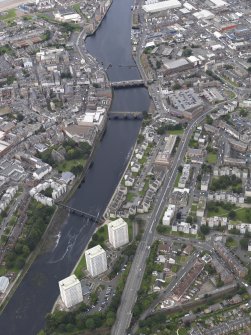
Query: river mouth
35	296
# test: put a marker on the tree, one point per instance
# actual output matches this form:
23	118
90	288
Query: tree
20	117
187	52
244	243
180	169
209	120
89	323
231	215
205	230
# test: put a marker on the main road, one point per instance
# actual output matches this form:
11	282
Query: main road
135	276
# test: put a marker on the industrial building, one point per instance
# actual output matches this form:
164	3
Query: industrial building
177	65
186	101
96	261
70	291
160	6
118	233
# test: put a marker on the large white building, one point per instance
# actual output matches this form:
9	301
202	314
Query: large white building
162	5
96	261
168	215
118	233
4	283
70	291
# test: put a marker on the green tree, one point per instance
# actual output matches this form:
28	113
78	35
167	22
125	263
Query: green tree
231	215
89	323
204	229
244	243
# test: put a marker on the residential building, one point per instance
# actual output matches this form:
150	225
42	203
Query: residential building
118	233
169	214
96	261
70	291
230	260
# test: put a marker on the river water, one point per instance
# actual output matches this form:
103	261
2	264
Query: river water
35	296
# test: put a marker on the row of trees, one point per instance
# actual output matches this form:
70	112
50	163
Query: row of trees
164	128
225	182
73	151
145	298
38	218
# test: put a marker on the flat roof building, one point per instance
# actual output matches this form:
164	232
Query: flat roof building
163	157
70	291
96	261
4	283
118	233
161	6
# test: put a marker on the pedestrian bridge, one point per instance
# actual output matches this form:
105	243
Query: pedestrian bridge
79	212
128	83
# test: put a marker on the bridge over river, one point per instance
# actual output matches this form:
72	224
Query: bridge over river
128	83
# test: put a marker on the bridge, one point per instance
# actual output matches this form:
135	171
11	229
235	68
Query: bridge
128	83
117	115
79	212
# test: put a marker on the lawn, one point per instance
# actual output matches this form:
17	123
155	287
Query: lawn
145	188
176	132
67	165
129	196
193	144
10	15
211	158
219	212
175	268
177	179
181	260
130	228
3	271
242	214
81	266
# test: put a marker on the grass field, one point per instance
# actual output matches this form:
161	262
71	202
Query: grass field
10	15
176	132
177	179
79	272
68	165
242	214
211	158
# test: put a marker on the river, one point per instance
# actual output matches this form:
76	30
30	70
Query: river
35	296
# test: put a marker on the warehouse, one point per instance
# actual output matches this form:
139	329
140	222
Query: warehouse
160	6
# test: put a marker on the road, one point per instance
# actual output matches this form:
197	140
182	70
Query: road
135	276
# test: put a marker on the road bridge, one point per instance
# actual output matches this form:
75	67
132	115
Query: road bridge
128	83
124	115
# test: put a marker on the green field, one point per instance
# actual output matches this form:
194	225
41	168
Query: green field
176	132
67	165
79	272
242	214
211	158
177	179
10	15
129	196
219	212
